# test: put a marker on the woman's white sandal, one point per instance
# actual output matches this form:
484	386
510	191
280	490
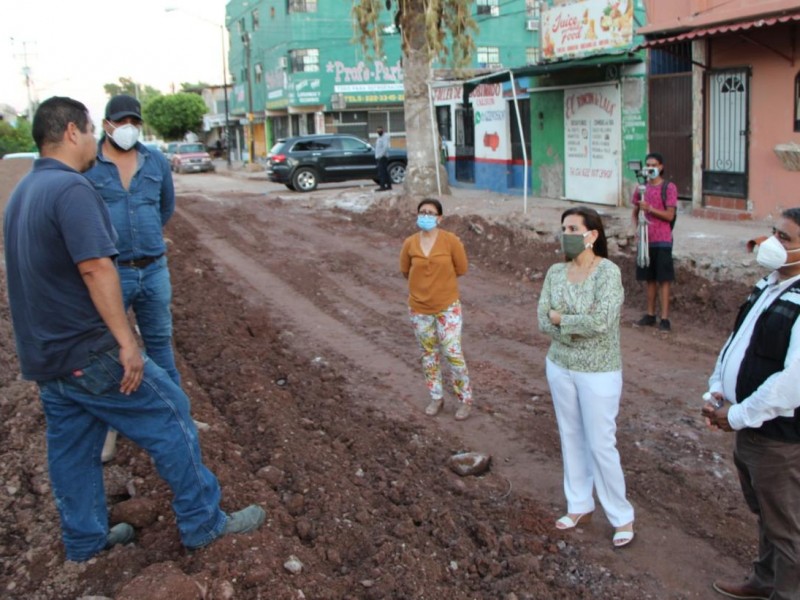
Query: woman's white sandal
566	521
622	538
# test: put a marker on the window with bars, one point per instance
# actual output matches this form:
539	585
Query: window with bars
254	17
488	56
301	6
533	9
304	60
488	7
259	72
532	56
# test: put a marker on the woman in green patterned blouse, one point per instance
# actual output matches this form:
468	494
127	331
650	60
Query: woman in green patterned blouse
579	308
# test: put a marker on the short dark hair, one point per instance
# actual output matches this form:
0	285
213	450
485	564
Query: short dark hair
657	156
53	116
793	214
432	201
593	221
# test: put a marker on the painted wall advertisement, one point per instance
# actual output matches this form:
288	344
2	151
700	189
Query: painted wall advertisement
588	27
489	109
592	144
306	91
364	83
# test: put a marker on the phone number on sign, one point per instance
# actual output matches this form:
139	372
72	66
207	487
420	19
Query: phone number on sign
588	172
375	98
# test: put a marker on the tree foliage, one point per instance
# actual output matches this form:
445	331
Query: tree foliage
174	115
194	88
16	138
128	86
431	30
447	34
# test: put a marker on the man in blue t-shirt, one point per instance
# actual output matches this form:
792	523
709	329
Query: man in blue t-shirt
74	340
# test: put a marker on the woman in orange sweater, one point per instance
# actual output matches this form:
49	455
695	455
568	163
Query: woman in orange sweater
432	260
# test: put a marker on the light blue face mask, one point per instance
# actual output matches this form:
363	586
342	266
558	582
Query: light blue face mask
426	222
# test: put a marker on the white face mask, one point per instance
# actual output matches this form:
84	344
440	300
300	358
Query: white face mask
772	255
125	136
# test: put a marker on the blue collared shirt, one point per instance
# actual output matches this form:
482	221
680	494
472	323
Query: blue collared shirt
139	213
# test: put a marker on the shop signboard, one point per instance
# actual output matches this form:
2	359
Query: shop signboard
491	122
586	28
592	127
367	83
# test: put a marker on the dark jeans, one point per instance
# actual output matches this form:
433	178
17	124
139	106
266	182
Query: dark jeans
769	472
149	291
80	408
383	173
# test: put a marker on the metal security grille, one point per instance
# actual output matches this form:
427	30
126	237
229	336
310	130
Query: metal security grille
728	130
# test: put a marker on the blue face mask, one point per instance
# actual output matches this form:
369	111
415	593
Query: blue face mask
426	222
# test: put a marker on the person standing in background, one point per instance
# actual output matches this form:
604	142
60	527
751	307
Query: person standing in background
136	185
659	205
432	260
382	156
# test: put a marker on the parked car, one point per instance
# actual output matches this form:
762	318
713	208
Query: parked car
152	146
29	155
191	157
169	150
303	162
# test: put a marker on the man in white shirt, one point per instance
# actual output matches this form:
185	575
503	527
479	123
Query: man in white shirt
753	391
382	156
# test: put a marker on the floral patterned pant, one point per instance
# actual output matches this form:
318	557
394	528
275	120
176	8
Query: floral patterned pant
441	332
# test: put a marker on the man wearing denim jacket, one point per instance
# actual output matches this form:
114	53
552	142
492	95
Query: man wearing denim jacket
136	185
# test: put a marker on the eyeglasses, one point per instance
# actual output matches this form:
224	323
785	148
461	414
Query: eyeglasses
428	213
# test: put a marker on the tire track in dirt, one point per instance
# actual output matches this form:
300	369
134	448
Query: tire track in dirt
341	319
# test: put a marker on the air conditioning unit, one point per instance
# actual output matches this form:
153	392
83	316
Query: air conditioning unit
532	24
283	62
495	11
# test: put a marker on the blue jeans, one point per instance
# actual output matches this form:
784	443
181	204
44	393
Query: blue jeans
149	292
79	410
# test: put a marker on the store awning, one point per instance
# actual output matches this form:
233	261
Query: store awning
720	29
599	61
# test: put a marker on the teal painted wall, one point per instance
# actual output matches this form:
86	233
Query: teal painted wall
344	67
547	151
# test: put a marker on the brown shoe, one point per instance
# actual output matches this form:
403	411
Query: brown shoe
742	591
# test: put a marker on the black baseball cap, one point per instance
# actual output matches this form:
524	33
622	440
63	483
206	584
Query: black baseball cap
123	106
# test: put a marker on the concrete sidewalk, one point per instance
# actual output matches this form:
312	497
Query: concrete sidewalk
713	249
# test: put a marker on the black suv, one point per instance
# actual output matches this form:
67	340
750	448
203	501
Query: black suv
303	162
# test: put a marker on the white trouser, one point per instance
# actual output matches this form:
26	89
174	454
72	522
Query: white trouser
586	406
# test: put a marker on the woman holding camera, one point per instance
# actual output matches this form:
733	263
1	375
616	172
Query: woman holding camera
579	308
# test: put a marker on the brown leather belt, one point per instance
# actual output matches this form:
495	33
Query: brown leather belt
139	263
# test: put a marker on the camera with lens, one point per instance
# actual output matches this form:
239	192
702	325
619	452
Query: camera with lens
648	172
643	173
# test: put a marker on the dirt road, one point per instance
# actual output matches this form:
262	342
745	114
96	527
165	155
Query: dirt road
293	340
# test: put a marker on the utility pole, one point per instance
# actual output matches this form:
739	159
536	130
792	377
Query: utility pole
246	42
26	71
225	92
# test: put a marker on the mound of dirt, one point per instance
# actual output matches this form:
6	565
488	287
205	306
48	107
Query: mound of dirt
360	501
